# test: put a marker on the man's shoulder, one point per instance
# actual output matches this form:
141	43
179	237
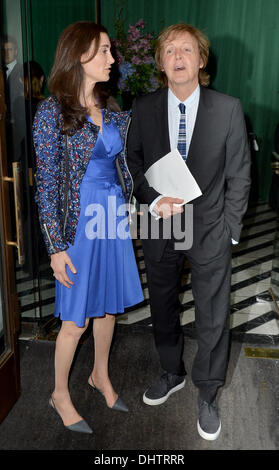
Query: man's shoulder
18	67
218	97
16	72
151	98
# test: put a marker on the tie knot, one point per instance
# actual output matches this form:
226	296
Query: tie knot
182	108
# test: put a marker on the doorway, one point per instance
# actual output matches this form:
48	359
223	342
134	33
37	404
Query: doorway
9	313
24	83
29	34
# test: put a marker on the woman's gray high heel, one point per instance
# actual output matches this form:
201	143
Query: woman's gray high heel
80	426
119	405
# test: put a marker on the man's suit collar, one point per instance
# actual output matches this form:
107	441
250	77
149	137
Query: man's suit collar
203	114
161	98
10	67
205	97
161	112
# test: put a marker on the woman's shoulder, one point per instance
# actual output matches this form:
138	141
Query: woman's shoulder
48	118
49	105
48	112
119	116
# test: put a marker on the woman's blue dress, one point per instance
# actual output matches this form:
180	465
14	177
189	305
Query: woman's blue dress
107	278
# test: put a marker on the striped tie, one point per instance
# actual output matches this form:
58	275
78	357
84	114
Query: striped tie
181	146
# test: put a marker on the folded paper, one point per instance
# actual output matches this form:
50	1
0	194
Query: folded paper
171	177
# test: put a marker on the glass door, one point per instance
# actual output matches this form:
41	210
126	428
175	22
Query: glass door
24	81
9	315
28	46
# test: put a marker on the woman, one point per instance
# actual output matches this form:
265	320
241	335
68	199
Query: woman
79	147
37	81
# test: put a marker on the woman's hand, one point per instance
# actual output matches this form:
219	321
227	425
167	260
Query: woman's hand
58	264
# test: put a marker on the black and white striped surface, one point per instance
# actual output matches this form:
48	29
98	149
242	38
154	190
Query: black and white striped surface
253	316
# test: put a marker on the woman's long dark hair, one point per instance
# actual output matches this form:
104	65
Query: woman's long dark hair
66	76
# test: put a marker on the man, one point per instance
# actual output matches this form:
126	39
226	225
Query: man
218	157
14	71
14	91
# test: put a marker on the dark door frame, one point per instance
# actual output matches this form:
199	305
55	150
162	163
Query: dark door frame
9	360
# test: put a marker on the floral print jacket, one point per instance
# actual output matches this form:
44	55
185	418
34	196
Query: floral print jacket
58	193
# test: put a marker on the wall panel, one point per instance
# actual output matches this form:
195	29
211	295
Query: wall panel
49	18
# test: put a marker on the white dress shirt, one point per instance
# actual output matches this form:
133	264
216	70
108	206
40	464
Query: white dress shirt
191	104
10	67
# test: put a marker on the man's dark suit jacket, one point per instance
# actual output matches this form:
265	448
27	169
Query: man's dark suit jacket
15	115
15	84
218	158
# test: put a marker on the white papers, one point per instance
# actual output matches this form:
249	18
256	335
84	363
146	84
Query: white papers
171	177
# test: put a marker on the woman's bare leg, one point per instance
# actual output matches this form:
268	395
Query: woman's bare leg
66	344
103	332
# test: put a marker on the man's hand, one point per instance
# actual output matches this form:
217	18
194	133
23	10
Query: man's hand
58	264
167	206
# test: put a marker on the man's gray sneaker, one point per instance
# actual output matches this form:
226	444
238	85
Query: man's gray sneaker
209	423
160	391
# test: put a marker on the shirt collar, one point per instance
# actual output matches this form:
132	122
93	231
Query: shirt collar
174	101
11	65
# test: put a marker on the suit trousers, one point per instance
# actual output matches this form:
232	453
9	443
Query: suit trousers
211	284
